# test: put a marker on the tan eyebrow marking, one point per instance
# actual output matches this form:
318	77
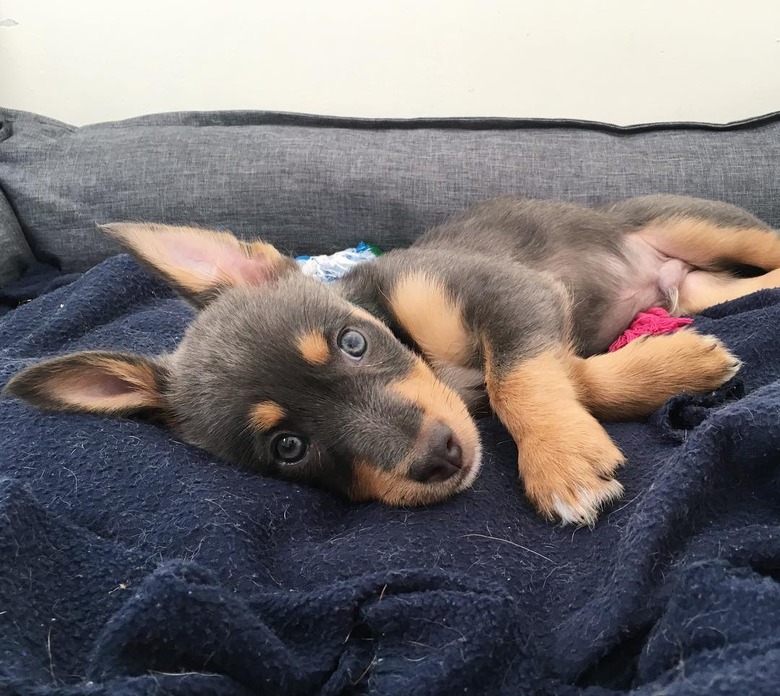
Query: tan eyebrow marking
313	346
266	415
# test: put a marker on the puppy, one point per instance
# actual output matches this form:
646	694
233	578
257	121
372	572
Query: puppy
364	387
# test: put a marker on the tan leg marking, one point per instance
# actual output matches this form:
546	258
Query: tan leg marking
430	315
565	458
701	289
703	244
636	380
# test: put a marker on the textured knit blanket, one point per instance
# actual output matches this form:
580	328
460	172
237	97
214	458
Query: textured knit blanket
131	563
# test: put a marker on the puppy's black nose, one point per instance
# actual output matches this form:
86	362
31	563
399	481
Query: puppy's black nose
443	459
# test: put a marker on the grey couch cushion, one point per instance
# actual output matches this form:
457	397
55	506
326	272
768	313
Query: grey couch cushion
317	184
15	253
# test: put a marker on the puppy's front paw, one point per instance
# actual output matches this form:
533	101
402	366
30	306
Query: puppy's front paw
582	506
702	362
711	364
570	478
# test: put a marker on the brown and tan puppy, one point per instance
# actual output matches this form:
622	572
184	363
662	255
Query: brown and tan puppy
364	386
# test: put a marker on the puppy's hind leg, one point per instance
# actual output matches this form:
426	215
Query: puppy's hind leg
714	251
636	380
701	289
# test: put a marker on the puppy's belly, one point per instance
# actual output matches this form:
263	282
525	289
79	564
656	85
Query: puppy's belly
646	279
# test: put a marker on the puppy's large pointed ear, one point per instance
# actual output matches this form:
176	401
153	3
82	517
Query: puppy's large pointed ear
199	263
109	383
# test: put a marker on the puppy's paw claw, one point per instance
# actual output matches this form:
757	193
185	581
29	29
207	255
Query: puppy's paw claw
708	362
715	367
582	507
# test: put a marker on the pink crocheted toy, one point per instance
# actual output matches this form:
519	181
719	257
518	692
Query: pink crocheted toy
654	321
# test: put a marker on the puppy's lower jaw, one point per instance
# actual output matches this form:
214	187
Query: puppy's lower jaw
437	492
396	489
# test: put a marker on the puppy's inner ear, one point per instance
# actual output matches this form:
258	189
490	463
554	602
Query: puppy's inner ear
93	382
198	263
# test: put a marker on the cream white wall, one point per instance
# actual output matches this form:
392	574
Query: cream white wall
623	61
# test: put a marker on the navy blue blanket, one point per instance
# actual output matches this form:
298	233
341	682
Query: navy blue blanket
131	563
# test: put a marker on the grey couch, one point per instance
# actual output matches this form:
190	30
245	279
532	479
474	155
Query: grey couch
312	184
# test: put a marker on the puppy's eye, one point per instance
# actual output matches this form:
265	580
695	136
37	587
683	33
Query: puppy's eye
289	448
353	343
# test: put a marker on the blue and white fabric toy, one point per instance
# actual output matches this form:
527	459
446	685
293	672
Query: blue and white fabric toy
330	267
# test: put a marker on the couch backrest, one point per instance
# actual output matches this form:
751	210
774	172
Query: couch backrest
313	184
15	253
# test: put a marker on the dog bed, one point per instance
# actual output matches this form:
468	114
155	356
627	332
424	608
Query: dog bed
135	564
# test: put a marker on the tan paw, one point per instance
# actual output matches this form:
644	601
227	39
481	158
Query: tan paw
704	361
583	506
570	477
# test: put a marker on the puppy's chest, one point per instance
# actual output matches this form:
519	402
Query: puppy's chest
448	347
467	382
427	316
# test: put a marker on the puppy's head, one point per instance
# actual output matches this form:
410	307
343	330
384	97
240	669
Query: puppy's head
278	373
